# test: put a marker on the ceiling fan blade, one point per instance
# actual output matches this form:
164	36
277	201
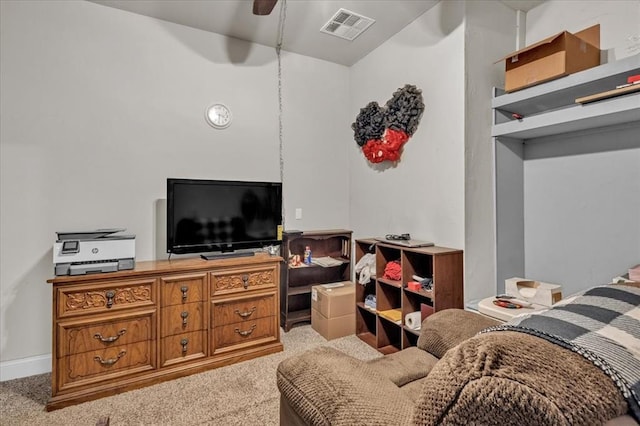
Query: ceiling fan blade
263	7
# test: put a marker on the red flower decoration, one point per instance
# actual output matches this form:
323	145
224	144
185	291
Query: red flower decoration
388	148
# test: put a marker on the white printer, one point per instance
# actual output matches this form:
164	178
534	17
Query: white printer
85	252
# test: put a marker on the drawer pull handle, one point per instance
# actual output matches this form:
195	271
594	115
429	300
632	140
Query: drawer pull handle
245	314
109	339
245	333
110	361
110	295
184	343
184	290
184	316
245	281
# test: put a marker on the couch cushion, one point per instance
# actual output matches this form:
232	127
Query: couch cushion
513	378
324	386
405	366
412	390
445	329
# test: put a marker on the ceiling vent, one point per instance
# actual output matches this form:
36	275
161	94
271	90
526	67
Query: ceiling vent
347	24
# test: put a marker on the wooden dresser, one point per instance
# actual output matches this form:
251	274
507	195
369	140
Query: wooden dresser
162	320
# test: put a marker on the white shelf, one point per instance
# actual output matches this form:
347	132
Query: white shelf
608	112
550	108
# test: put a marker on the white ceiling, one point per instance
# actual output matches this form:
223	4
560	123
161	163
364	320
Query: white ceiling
303	20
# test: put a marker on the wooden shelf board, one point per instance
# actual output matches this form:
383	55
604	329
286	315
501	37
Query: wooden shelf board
397	284
411	330
300	315
608	94
389	349
369	338
323	233
422	293
303	289
362	306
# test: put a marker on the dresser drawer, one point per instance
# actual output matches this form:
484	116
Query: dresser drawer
107	296
183	347
242	334
229	281
182	289
77	336
243	309
183	318
99	365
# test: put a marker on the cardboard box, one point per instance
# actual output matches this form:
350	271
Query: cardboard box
538	292
332	328
553	57
334	302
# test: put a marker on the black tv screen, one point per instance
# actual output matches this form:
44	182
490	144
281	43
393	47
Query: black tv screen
218	215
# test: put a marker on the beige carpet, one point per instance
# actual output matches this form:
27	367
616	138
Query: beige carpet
240	394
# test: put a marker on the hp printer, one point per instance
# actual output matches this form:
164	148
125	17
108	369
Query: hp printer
79	253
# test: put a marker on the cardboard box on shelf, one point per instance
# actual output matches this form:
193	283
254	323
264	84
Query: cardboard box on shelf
332	328
538	292
334	302
556	56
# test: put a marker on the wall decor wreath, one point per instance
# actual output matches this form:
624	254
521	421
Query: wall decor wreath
383	131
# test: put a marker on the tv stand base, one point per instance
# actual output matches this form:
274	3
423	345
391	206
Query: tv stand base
227	255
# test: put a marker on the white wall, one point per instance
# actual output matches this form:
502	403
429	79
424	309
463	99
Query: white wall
582	207
317	129
490	32
619	23
582	191
424	193
100	106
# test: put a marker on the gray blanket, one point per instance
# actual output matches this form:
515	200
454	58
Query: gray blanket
601	324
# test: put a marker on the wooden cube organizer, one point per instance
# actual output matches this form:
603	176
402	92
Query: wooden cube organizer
443	265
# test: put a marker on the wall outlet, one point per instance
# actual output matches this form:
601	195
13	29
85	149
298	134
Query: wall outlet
298	213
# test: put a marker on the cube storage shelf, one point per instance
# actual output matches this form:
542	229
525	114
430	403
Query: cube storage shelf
443	265
296	282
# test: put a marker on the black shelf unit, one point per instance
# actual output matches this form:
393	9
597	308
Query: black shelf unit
296	282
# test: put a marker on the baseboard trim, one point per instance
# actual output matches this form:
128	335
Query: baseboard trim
25	367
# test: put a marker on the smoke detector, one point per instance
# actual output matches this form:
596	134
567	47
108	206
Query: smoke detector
347	24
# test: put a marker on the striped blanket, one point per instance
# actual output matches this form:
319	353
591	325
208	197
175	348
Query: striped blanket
603	325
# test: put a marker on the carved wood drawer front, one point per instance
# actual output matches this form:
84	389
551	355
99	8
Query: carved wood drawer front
77	336
183	347
243	334
181	289
245	309
239	280
99	365
105	297
178	319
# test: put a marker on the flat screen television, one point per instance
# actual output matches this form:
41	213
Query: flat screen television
219	215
